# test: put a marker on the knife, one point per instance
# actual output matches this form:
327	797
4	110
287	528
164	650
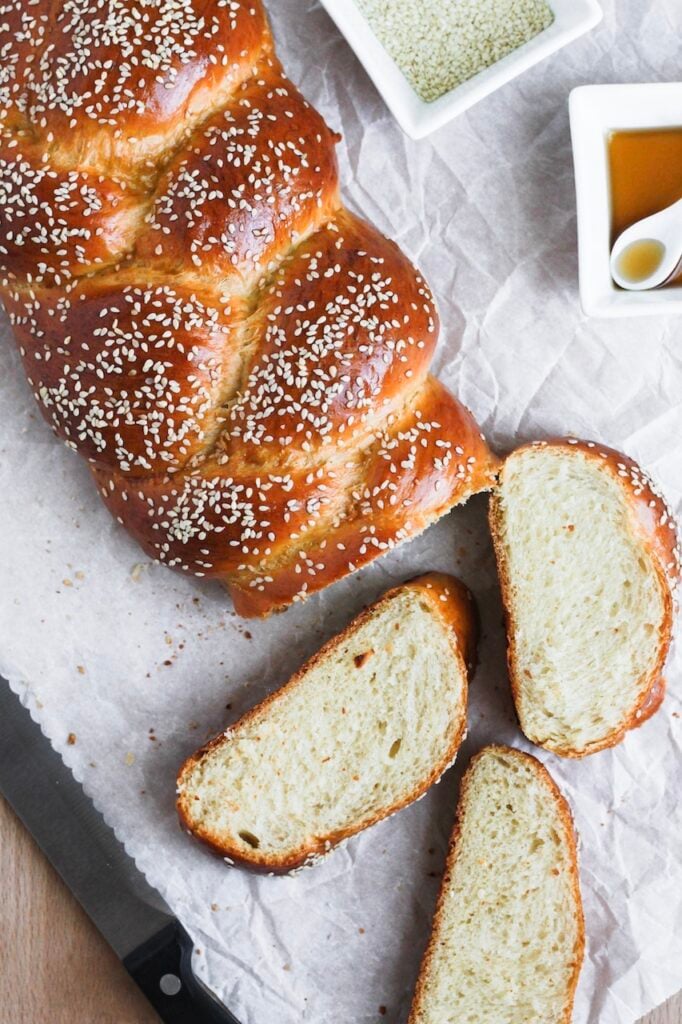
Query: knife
152	944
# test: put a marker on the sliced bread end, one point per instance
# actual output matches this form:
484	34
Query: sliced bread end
508	935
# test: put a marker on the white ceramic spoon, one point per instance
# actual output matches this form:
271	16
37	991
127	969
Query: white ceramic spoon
649	253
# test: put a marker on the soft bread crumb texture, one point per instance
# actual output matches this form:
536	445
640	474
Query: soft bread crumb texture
508	938
586	602
362	727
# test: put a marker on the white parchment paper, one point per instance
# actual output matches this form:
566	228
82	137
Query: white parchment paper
142	665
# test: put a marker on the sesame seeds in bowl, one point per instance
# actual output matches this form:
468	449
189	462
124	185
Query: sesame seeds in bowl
439	44
433	59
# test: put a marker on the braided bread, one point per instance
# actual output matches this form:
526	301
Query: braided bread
242	361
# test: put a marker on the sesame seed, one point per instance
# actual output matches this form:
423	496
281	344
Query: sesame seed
439	44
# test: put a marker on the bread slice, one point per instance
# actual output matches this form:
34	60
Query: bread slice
362	730
508	935
588	559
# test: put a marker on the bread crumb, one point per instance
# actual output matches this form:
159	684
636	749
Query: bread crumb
71	739
80	669
130	758
67	582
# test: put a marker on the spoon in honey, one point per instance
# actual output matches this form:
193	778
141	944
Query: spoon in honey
649	253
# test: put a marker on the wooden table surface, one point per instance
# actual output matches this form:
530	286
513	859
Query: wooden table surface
56	968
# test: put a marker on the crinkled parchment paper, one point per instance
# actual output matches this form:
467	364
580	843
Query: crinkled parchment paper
142	665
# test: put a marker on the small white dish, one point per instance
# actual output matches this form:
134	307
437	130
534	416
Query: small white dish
572	18
595	112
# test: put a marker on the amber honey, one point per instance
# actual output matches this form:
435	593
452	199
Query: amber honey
645	169
646	174
640	260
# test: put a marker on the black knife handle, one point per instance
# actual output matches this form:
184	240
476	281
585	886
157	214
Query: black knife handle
162	968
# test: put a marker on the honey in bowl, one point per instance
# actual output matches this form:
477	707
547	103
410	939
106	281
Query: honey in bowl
645	168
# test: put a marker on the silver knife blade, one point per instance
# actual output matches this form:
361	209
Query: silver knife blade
73	835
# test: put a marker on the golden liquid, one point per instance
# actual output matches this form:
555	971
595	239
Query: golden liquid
646	176
640	260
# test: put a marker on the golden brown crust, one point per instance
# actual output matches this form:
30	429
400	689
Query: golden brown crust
566	818
451	602
287	184
137	403
654	524
362	347
233	520
118	82
65	222
363	508
242	361
385	508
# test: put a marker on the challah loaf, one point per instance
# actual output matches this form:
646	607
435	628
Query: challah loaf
243	361
508	934
588	558
364	728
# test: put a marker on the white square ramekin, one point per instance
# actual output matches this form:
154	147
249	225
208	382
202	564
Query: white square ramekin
596	111
417	118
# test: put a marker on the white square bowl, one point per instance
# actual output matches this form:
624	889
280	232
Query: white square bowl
596	111
417	118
